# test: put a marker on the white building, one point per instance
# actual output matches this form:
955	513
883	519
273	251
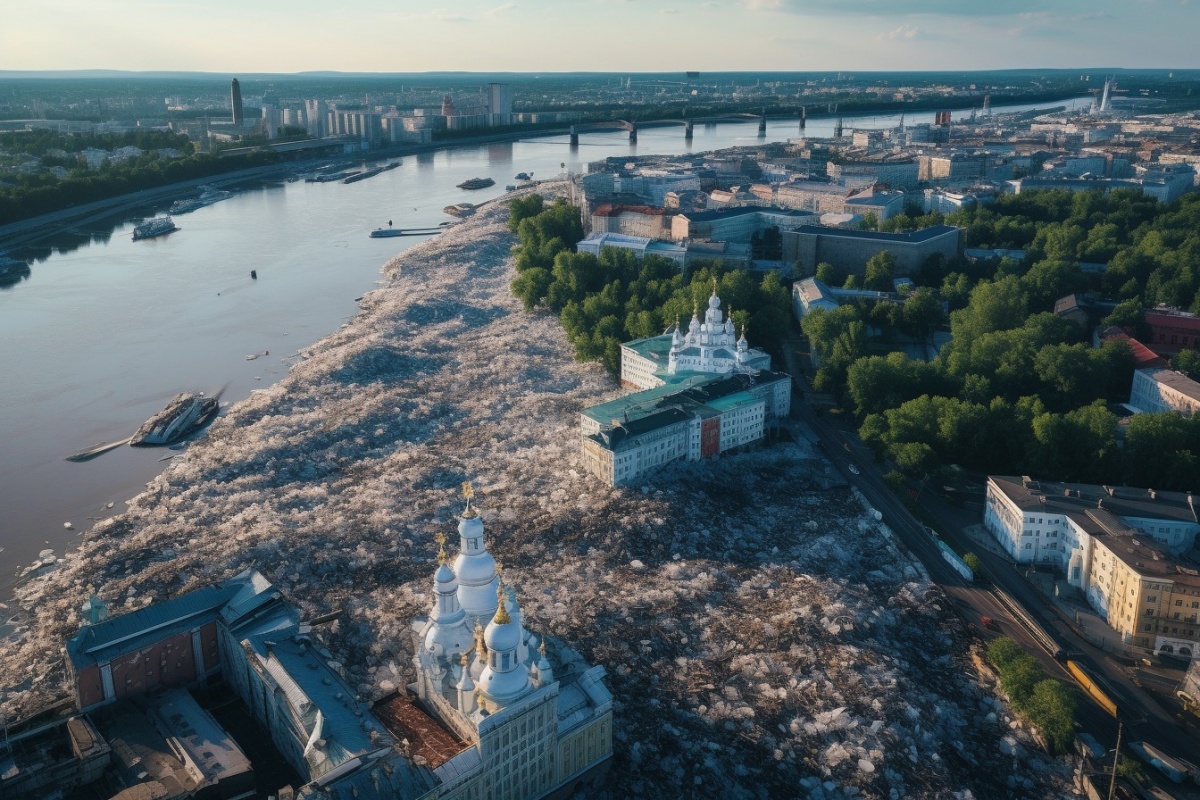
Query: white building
640	245
704	393
710	347
811	293
1116	545
1159	389
531	717
1030	518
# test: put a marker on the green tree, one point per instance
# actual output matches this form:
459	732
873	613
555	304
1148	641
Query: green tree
880	270
1052	707
922	314
1187	362
830	275
520	208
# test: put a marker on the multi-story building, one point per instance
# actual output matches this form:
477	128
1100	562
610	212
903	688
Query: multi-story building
735	224
235	103
641	246
1172	330
703	394
652	222
849	250
898	173
1164	182
695	418
499	104
496	710
1161	389
1116	545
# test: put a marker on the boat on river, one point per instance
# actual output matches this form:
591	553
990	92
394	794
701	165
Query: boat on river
208	196
477	183
159	226
185	413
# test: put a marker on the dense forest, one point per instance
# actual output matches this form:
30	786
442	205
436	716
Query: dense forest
29	195
1017	389
614	298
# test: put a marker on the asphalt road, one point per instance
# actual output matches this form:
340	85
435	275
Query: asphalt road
1143	717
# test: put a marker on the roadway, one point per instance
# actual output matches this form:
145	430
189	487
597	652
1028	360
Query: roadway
1020	610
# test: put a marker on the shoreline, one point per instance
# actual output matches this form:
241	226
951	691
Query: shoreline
28	231
731	601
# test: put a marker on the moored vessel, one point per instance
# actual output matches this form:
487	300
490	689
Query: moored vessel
477	183
186	412
159	226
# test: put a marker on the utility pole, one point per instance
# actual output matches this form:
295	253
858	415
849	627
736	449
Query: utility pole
1112	781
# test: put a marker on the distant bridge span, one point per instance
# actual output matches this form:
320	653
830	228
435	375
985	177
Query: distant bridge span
686	122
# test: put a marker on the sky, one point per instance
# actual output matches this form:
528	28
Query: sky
243	36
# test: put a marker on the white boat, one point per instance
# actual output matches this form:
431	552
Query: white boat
185	413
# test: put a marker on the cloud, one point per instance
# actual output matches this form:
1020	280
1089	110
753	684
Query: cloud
764	5
499	10
669	11
903	32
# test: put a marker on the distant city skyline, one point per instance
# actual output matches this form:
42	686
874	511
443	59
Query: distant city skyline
598	35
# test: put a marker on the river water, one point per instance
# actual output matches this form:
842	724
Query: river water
106	330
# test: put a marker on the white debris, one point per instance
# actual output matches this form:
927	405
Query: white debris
762	637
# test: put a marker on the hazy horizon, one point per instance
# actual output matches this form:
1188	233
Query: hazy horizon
275	37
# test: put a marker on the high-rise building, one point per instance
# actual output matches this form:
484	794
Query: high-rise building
314	111
235	100
499	104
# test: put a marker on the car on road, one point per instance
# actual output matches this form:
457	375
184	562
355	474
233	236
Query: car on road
853	469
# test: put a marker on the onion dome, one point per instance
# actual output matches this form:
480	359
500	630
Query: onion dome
474	566
448	635
505	678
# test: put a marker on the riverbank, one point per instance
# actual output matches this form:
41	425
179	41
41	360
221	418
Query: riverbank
31	230
757	630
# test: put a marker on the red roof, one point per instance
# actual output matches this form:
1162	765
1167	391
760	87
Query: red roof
1143	356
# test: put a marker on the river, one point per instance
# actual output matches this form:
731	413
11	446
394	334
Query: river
106	330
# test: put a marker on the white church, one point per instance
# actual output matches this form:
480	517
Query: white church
710	347
539	717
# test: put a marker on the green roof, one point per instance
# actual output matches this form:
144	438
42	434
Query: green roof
730	401
605	413
655	348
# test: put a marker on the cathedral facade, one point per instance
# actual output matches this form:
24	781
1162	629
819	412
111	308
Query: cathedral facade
536	716
711	347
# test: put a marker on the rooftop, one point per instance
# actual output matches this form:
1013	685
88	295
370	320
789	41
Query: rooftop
913	237
612	209
730	213
426	736
1175	380
1076	498
1142	554
100	642
1143	357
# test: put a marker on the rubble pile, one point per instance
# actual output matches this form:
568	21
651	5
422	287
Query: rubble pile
763	637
